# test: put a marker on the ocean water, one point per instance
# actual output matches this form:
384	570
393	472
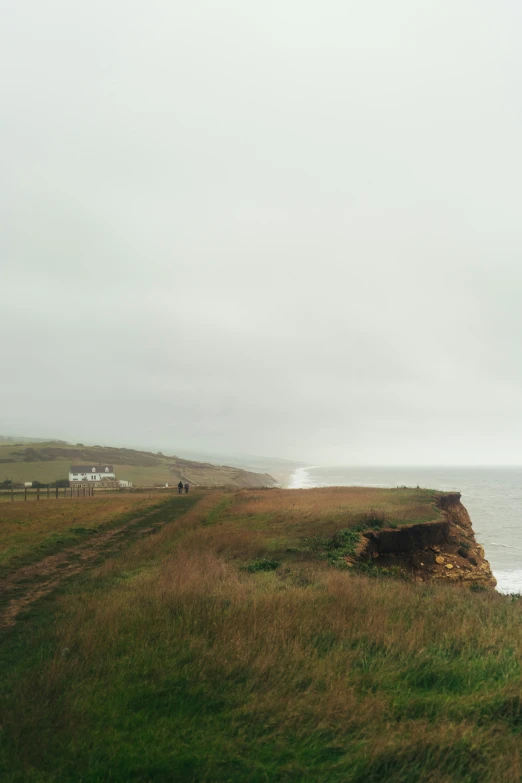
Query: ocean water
493	497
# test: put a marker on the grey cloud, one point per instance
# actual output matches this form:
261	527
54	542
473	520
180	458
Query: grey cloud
290	229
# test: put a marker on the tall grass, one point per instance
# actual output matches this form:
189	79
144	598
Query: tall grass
174	663
323	511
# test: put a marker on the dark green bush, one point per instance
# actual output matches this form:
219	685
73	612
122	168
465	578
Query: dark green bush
263	565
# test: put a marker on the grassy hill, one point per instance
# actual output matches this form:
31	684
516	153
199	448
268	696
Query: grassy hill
19	439
219	640
50	461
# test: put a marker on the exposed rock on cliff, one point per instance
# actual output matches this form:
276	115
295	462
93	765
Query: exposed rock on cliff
442	549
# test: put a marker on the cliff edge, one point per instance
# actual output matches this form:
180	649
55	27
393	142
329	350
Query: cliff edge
443	549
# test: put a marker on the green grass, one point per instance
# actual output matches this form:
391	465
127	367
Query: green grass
178	660
263	565
29	532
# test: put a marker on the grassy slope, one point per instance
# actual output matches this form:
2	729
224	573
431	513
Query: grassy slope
174	662
50	461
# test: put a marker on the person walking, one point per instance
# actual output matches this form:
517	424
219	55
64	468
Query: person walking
186	488
180	487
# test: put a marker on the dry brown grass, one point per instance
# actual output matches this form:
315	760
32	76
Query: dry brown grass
289	515
332	501
149	548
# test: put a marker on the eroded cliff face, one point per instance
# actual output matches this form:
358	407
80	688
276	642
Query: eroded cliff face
444	549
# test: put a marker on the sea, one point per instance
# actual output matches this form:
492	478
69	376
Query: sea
493	497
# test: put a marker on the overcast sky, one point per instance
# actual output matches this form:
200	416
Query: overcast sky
290	228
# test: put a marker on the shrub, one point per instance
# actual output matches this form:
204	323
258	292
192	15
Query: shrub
342	545
372	520
370	568
477	588
262	565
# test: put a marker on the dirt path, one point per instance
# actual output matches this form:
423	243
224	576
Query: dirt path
29	583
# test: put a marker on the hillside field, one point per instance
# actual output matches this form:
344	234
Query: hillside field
30	530
50	461
213	638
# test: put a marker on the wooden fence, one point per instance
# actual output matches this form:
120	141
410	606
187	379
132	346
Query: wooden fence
46	493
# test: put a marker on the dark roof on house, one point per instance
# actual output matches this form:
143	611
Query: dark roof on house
91	469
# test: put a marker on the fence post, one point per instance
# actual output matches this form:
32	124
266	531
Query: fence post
38	493
57	492
25	493
48	492
12	493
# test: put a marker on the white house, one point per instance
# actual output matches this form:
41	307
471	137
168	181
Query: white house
91	473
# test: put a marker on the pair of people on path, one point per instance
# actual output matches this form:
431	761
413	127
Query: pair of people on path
182	487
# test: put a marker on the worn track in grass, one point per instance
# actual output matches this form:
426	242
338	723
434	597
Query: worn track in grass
29	583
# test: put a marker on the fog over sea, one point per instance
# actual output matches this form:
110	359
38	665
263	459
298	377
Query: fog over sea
493	497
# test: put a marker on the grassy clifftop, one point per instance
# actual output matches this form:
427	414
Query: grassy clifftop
50	461
223	643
